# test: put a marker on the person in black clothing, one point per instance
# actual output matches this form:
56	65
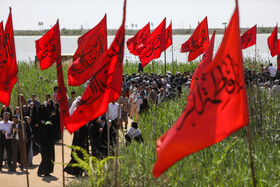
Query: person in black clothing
80	139
46	140
55	119
144	106
32	113
103	139
29	141
95	131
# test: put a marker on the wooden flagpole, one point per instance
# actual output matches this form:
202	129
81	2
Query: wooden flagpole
251	155
256	50
23	136
172	59
117	154
62	148
117	146
165	63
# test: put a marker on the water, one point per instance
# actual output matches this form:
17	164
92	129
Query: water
25	48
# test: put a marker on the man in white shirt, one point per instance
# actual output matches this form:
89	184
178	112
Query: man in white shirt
114	114
272	72
6	139
114	111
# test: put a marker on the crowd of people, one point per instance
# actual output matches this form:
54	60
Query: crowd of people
41	120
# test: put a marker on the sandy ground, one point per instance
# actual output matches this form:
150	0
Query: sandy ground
18	178
8	179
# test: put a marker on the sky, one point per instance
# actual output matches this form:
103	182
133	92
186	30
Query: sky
183	13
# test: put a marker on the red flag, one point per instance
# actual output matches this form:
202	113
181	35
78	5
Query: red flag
204	63
105	85
90	47
185	47
48	48
155	44
8	62
217	107
168	36
273	42
138	40
198	42
249	38
61	96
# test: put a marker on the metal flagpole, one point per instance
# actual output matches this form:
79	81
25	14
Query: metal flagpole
23	136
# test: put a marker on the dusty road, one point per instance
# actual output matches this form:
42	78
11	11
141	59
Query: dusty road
18	179
8	179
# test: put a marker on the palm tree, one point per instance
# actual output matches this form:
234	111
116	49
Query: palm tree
132	25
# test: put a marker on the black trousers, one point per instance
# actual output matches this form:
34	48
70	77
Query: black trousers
8	145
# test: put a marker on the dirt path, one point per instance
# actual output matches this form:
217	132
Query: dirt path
8	179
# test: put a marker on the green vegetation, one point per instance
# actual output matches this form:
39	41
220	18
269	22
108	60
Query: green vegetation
224	164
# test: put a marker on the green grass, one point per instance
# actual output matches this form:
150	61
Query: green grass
224	164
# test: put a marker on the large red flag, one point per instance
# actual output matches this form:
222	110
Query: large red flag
273	43
217	107
204	63
105	86
198	42
249	38
155	44
48	51
48	48
168	35
8	62
90	47
138	40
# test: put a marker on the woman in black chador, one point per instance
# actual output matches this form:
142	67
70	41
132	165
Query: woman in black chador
80	139
55	119
46	139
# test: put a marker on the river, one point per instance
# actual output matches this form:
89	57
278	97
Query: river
25	48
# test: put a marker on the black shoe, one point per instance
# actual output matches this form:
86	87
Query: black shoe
47	175
39	175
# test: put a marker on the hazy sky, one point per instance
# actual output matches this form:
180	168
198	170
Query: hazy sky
183	13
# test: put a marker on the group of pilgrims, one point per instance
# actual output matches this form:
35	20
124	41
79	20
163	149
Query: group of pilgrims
41	121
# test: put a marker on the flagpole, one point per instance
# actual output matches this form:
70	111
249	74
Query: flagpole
256	50
108	138
251	155
62	149
117	148
165	63
172	60
23	137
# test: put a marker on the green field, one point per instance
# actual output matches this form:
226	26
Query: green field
224	164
